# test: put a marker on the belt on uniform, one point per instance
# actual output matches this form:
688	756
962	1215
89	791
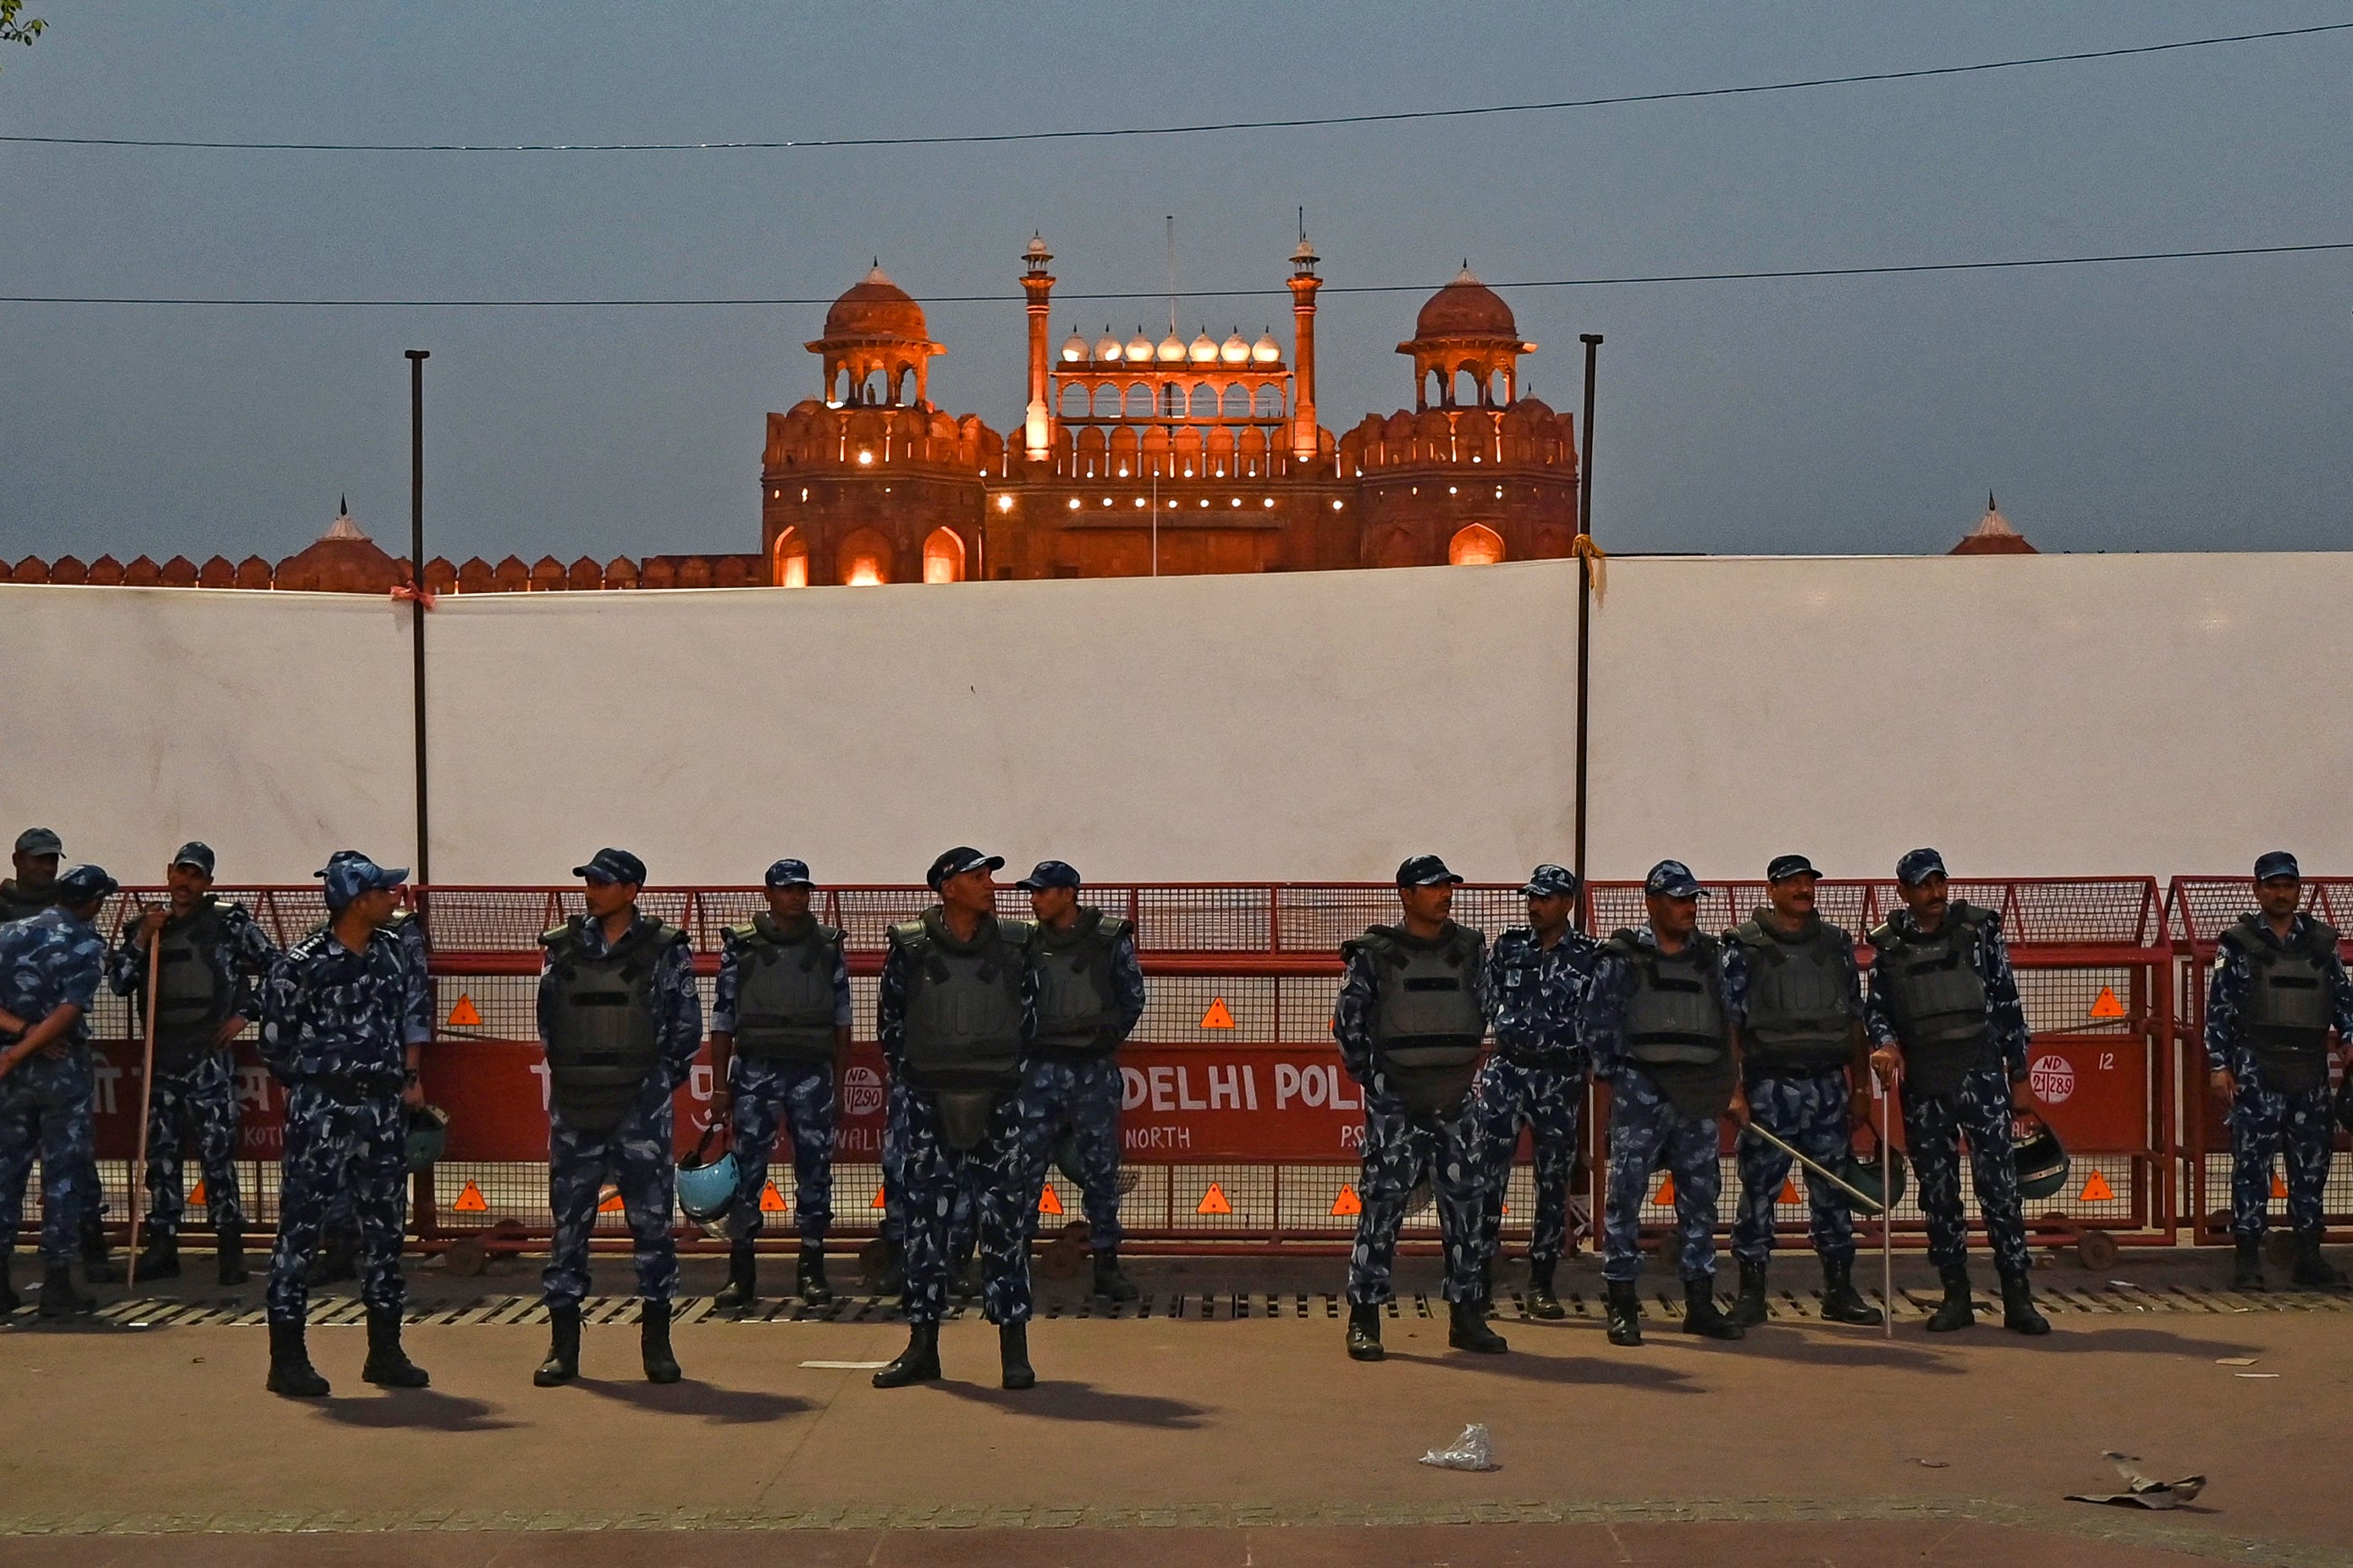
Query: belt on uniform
346	1090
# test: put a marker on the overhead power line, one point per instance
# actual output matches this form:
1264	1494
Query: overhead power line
1198	129
1753	275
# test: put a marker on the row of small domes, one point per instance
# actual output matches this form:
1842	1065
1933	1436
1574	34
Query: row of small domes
1173	350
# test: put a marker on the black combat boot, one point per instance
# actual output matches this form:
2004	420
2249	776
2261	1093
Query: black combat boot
1467	1329
1542	1303
653	1343
1623	1309
231	1257
1013	1350
160	1258
1112	1282
2018	1313
2247	1264
919	1363
1958	1311
338	1258
98	1265
1749	1307
58	1297
388	1365
1365	1331
891	1280
964	1284
290	1372
1841	1302
1700	1314
742	1290
2313	1271
563	1362
810	1276
10	1301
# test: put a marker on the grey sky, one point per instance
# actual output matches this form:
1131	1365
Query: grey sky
2163	405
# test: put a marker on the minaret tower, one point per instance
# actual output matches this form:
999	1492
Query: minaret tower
1303	284
1037	427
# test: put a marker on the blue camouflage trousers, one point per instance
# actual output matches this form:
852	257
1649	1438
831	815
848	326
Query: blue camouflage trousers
1550	1101
936	1178
195	1104
2266	1122
44	1111
636	1156
1645	1131
1933	1126
1080	1102
799	1095
1810	1114
333	1147
1397	1150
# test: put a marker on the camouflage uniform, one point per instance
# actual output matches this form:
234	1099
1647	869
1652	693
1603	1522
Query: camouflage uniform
936	1179
797	1094
637	1154
1399	1146
50	960
1534	1079
2268	1120
335	1025
197	1100
1078	1098
1978	1109
340	1232
1810	1110
1646	1131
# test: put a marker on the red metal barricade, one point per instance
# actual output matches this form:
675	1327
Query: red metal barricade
2198	910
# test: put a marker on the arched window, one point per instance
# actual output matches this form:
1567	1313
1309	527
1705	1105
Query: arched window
943	557
1269	400
1475	545
790	564
865	559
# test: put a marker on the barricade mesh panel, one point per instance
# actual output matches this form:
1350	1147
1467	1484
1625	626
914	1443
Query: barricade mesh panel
2200	907
2070	1001
1178	1009
1306	1005
492	919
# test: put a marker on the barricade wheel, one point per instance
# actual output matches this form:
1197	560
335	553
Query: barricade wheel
465	1257
2095	1250
506	1238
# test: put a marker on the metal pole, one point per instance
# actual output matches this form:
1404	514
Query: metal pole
1592	341
146	1103
416	358
1887	1210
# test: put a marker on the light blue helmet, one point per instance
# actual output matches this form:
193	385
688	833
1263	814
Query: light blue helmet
706	1187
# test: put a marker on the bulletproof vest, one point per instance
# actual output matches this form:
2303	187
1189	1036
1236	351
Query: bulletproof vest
1427	1020
2289	1000
191	1000
597	1013
1937	997
17	904
1802	1003
964	1003
1676	1029
1078	1010
784	989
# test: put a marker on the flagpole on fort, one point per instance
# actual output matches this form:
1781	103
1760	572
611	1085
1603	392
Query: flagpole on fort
1592	341
416	358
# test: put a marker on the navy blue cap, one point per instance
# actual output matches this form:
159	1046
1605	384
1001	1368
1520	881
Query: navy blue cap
610	865
957	861
789	873
39	841
1050	874
1918	866
1673	880
350	873
2278	863
1551	881
1785	866
195	852
79	884
1425	871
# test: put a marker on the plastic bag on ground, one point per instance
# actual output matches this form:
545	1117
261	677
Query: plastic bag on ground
1471	1451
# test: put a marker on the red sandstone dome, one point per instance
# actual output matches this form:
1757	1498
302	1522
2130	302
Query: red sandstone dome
1465	308
877	307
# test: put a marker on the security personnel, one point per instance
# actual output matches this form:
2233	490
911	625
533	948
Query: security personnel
212	953
1791	985
779	1039
1090	998
621	1024
51	965
957	1014
1944	1020
1411	1016
1657	1024
334	1029
1536	977
2278	986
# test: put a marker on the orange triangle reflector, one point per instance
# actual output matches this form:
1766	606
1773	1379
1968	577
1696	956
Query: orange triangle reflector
1213	1201
771	1200
878	1203
2279	1186
2106	1006
2097	1191
1048	1200
1507	1208
612	1203
1348	1203
198	1197
1790	1191
470	1200
1218	1017
465	1014
1666	1192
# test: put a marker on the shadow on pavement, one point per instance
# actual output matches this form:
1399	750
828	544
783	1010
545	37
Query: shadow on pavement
720	1406
1065	1401
2119	1341
1841	1350
420	1409
1570	1371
